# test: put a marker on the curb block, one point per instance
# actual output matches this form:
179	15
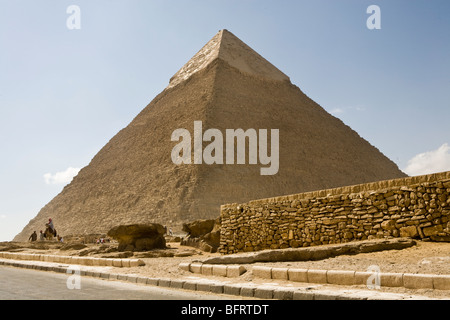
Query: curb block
87	261
341	277
317	276
346	277
418	281
220	270
335	277
262	272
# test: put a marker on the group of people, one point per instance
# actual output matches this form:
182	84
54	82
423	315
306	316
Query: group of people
49	233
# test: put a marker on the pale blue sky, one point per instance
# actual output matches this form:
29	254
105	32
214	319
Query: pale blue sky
64	93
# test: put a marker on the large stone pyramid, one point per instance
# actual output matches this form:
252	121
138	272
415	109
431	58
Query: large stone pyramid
226	85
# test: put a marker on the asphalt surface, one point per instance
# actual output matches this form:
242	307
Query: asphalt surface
25	284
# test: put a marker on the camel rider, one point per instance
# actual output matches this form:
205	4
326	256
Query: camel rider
50	224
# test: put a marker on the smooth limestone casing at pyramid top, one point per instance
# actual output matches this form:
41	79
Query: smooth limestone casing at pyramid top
226	85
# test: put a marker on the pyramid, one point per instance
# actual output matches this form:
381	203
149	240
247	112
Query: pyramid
226	85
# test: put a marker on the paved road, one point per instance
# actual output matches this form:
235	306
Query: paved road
25	284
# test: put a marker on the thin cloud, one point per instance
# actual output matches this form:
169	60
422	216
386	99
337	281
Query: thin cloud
336	111
429	162
62	177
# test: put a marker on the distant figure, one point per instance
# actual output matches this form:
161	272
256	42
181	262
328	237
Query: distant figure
42	236
50	230
50	224
33	236
170	232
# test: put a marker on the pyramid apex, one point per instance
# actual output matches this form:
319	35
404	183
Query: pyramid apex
229	48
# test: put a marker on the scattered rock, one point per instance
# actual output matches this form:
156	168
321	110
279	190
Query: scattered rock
409	232
73	246
172	238
313	253
202	234
139	237
118	255
199	228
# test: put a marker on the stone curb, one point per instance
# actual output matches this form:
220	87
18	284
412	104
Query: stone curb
86	261
213	269
244	290
346	277
335	277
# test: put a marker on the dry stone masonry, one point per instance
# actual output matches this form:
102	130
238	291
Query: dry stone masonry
416	207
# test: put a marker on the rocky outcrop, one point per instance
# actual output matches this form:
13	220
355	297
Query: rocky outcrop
202	234
139	237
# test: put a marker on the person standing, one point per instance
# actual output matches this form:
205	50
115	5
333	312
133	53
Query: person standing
33	237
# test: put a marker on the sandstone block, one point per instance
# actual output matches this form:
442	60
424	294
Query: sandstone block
232	289
220	270
409	232
203	286
298	275
117	263
441	282
184	266
418	281
341	277
142	280
317	276
125	263
262	272
235	271
388	225
153	281
207	269
190	285
164	283
136	263
283	294
67	260
431	231
391	279
247	291
216	288
302	295
325	295
177	284
264	292
76	260
195	267
280	273
95	262
132	278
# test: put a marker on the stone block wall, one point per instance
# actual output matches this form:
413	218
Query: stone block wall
417	207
